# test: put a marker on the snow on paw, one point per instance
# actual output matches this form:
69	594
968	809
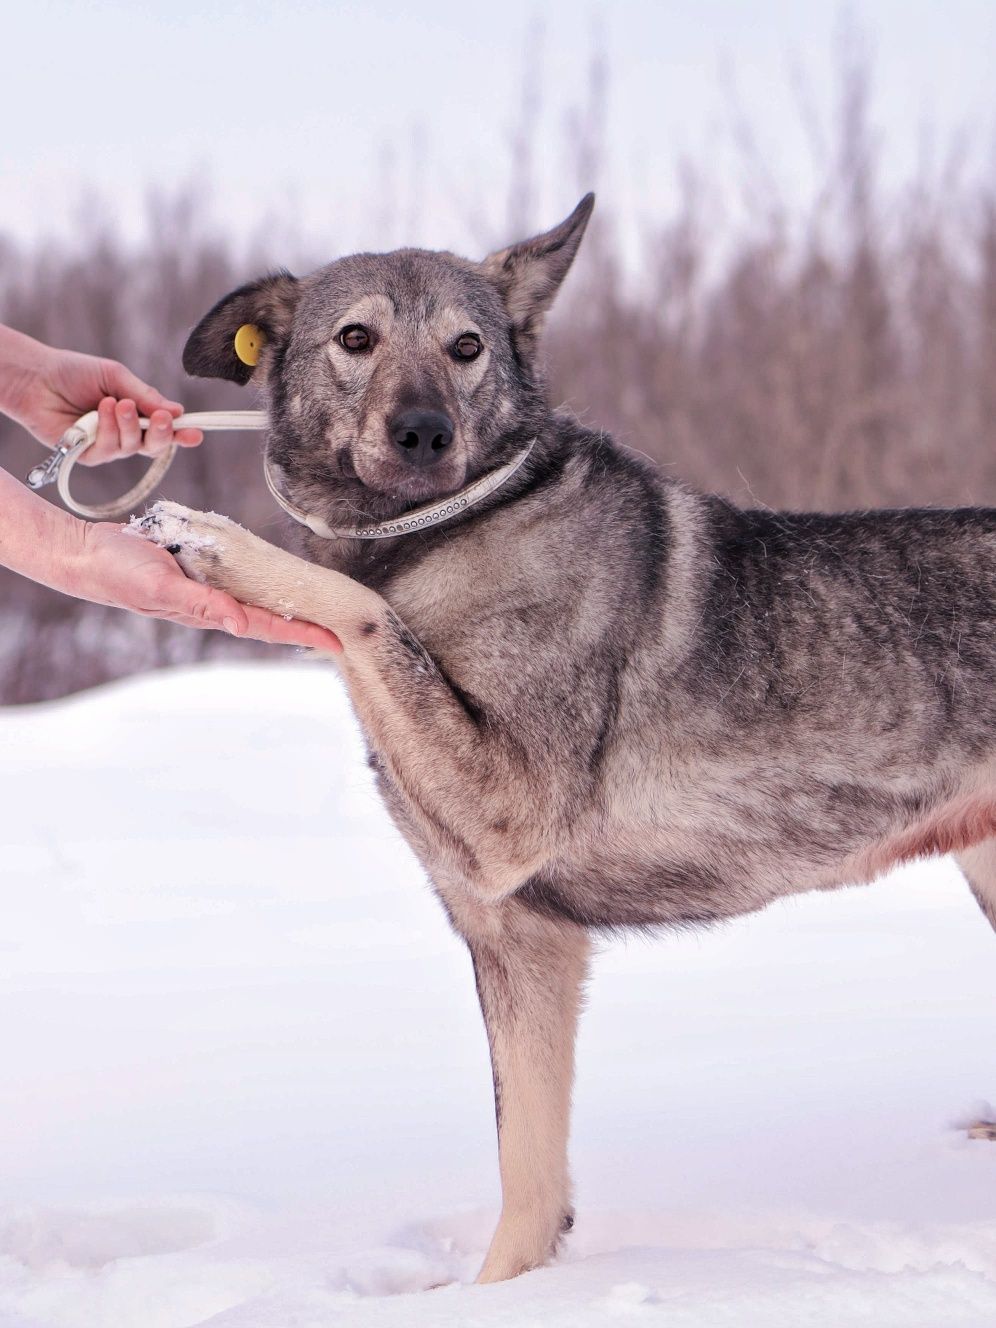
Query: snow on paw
197	540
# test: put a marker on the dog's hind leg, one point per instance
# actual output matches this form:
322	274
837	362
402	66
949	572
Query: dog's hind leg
529	971
979	866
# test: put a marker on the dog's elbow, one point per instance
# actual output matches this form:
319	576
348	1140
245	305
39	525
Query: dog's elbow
501	867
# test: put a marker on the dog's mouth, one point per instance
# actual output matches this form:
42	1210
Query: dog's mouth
388	476
406	487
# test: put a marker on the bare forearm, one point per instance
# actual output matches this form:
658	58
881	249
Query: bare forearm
21	362
36	539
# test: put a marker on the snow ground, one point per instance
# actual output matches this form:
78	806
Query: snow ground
244	1082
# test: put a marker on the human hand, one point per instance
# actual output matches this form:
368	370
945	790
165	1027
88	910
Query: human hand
50	389
112	566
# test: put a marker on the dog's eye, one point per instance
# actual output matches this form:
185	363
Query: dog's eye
467	347
355	337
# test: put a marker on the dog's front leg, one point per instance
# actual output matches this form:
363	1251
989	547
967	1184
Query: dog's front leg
529	971
479	808
490	827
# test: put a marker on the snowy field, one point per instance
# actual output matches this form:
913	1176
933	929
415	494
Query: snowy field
244	1083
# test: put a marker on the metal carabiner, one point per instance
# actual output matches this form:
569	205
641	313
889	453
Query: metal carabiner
47	471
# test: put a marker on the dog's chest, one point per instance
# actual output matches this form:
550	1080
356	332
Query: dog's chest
479	613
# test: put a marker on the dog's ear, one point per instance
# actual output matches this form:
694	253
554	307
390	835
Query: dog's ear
230	341
529	274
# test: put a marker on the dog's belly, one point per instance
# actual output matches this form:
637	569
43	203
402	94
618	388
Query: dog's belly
673	895
713	848
736	872
633	888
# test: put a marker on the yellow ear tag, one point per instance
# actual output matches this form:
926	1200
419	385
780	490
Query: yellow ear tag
249	341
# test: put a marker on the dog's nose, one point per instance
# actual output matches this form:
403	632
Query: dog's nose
421	436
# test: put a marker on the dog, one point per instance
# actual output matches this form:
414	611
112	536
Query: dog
593	698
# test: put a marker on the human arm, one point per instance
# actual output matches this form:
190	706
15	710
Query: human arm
47	390
101	562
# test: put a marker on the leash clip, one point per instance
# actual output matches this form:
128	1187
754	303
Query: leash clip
47	471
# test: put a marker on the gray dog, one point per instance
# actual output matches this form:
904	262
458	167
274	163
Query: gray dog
592	698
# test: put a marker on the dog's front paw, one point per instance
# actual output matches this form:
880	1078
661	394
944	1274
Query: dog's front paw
199	541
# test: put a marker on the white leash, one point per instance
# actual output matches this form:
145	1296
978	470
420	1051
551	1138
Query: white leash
58	467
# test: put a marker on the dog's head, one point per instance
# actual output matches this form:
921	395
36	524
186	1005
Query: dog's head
393	378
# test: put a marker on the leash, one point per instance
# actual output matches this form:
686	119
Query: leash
57	469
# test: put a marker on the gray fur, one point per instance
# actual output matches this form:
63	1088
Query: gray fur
599	699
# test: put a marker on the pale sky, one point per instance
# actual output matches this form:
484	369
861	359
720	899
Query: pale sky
377	124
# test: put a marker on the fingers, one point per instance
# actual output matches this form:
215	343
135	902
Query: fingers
195	605
129	434
202	606
120	382
273	630
277	631
119	434
159	434
108	444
